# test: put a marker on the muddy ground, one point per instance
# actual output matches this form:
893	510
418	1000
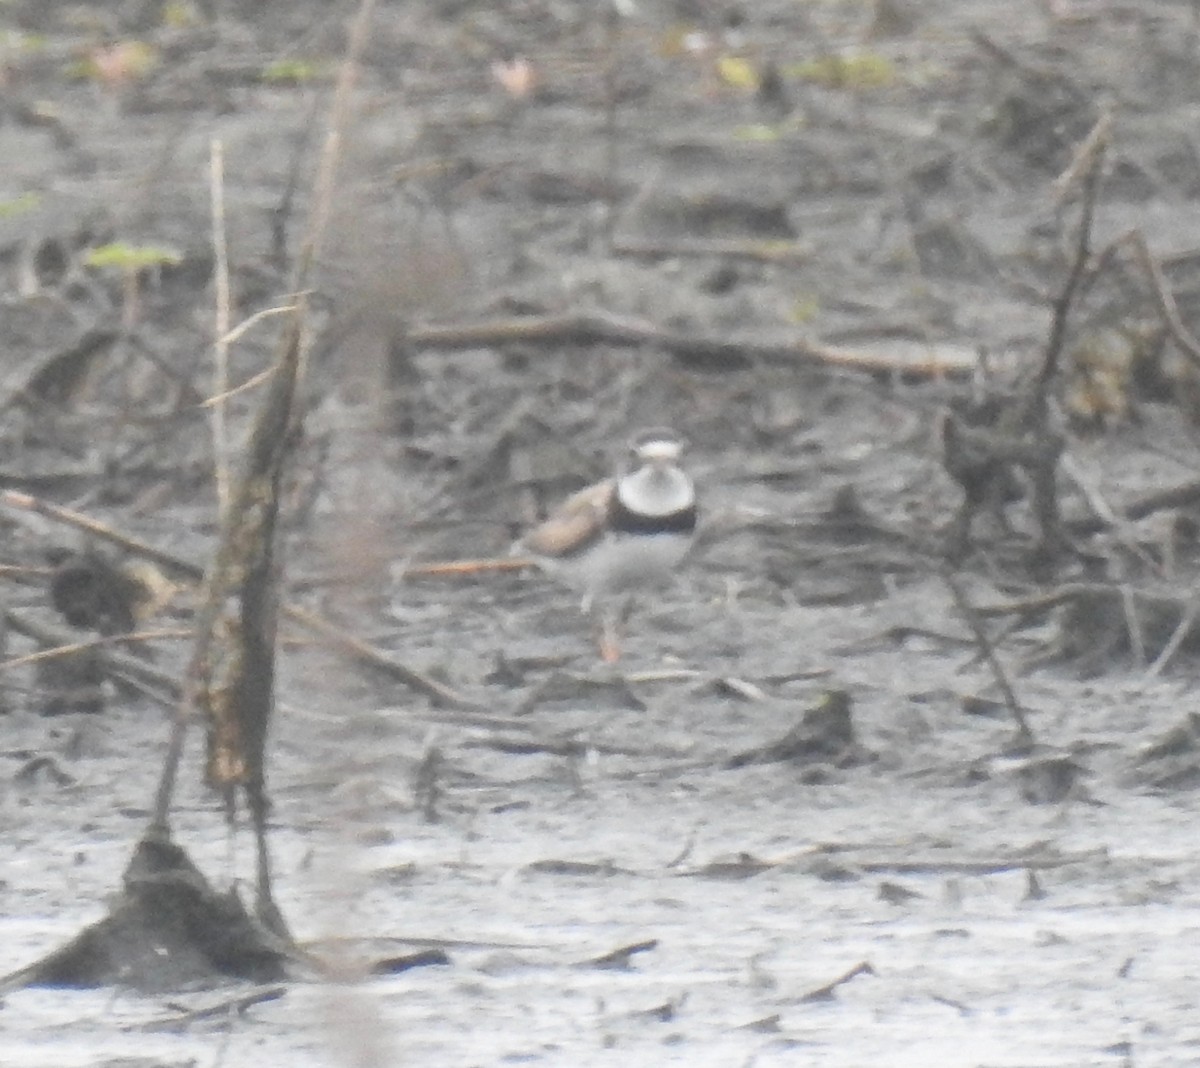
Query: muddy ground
662	863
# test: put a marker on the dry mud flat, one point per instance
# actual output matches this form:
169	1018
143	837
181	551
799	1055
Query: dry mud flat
688	861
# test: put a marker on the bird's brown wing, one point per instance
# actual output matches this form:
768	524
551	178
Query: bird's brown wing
575	524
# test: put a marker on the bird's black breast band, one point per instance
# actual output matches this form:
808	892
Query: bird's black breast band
625	521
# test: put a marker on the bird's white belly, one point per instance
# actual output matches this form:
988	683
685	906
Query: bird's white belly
625	562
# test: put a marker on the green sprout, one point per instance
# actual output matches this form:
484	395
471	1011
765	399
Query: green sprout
131	257
864	70
292	71
20	205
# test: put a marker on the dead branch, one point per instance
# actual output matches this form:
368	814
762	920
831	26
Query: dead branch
1033	861
785	252
611	119
1164	298
75	648
56	378
826	992
1185	629
1104	511
1181	496
231	674
1052	354
346	642
1024	739
226	1008
28	503
725	353
983	448
621	958
467	568
221	341
1099	621
366	654
1086	158
130	668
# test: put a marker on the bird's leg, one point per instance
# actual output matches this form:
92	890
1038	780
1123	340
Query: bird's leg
610	646
611	615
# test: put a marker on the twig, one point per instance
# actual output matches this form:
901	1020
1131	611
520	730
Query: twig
619	959
367	654
611	160
1083	240
1100	506
1034	411
282	214
1086	157
16	571
348	643
987	650
872	860
253	382
1133	624
824	993
246	324
146	676
1167	307
1184	628
331	152
786	252
75	648
60	372
1033	72
466	567
602	328
28	503
228	1007
1181	496
1030	861
221	325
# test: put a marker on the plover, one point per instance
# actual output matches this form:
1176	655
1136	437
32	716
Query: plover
623	534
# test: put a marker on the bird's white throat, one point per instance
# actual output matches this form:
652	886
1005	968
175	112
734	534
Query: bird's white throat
656	491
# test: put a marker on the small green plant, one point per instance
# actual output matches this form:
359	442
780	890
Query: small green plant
19	205
133	258
18	42
757	131
805	308
861	70
180	15
132	261
293	72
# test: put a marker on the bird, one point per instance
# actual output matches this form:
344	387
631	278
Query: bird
623	534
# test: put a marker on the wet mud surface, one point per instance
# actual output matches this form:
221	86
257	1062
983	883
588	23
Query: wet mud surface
793	824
